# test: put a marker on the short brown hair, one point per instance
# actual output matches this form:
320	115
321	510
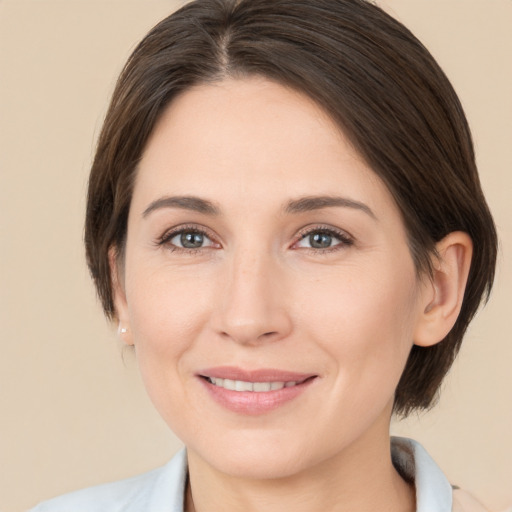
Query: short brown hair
369	73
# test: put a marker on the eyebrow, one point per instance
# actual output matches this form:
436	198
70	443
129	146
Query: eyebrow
310	203
301	205
195	204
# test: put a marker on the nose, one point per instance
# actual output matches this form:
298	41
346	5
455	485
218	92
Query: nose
252	304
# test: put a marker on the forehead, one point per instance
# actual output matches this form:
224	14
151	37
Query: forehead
250	137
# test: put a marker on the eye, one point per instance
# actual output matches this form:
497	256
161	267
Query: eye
322	239
187	238
190	240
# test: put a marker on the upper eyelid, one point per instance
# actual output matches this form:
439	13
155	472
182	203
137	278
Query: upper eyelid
325	228
345	239
180	228
301	233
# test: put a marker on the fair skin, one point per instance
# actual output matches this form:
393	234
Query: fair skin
260	241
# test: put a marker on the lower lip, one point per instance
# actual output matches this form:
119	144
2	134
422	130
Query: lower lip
254	403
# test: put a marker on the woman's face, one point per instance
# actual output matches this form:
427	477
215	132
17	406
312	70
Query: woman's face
264	255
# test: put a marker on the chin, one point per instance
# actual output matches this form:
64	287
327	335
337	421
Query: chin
261	466
252	457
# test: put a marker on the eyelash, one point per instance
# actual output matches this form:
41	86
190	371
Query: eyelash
169	235
345	239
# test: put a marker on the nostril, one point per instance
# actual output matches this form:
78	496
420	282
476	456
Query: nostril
267	336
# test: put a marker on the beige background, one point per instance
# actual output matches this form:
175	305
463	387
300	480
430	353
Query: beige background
73	412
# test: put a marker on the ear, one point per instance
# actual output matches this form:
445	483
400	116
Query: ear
119	296
442	298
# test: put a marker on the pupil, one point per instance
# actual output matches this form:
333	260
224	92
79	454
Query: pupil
192	240
320	240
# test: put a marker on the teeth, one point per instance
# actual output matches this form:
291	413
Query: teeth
261	386
229	384
258	387
240	385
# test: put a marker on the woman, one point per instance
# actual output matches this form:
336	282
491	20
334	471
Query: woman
285	219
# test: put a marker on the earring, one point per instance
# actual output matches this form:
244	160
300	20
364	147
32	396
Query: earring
122	330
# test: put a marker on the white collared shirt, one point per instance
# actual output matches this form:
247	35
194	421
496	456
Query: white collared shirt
163	489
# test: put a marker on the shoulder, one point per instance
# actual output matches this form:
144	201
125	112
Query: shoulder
148	492
464	502
433	491
109	497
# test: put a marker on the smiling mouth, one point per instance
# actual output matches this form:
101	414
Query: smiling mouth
255	387
254	392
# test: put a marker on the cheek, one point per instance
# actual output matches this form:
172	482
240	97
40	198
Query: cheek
364	319
167	314
167	310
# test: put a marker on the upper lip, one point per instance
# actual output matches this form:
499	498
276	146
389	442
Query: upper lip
259	375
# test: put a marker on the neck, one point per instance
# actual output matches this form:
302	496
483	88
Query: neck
360	479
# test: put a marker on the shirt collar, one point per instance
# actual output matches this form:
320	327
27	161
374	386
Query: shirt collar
433	491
